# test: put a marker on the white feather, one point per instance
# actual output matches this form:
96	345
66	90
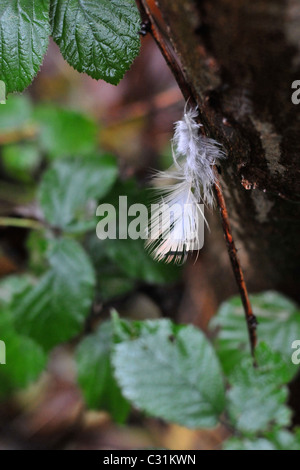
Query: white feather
188	182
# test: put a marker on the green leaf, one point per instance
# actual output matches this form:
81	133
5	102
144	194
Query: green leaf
248	444
25	360
98	37
69	189
16	114
37	245
285	440
95	376
111	281
140	266
12	285
20	160
256	398
277	440
65	132
170	372
271	363
55	309
24	36
279	326
125	330
2	93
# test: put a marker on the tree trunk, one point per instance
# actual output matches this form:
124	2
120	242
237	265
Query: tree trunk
240	58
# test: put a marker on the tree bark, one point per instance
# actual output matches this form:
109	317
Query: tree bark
240	58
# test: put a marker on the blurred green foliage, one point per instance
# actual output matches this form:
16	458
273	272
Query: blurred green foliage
173	372
69	266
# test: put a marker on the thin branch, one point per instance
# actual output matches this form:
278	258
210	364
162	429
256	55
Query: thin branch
164	47
163	44
236	266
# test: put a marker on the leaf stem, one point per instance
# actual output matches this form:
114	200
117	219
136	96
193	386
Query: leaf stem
22	223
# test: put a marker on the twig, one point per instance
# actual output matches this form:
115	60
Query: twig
168	54
235	263
165	49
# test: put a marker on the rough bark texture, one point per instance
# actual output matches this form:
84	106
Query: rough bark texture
240	58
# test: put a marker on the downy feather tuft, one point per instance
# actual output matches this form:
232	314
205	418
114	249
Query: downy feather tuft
181	188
